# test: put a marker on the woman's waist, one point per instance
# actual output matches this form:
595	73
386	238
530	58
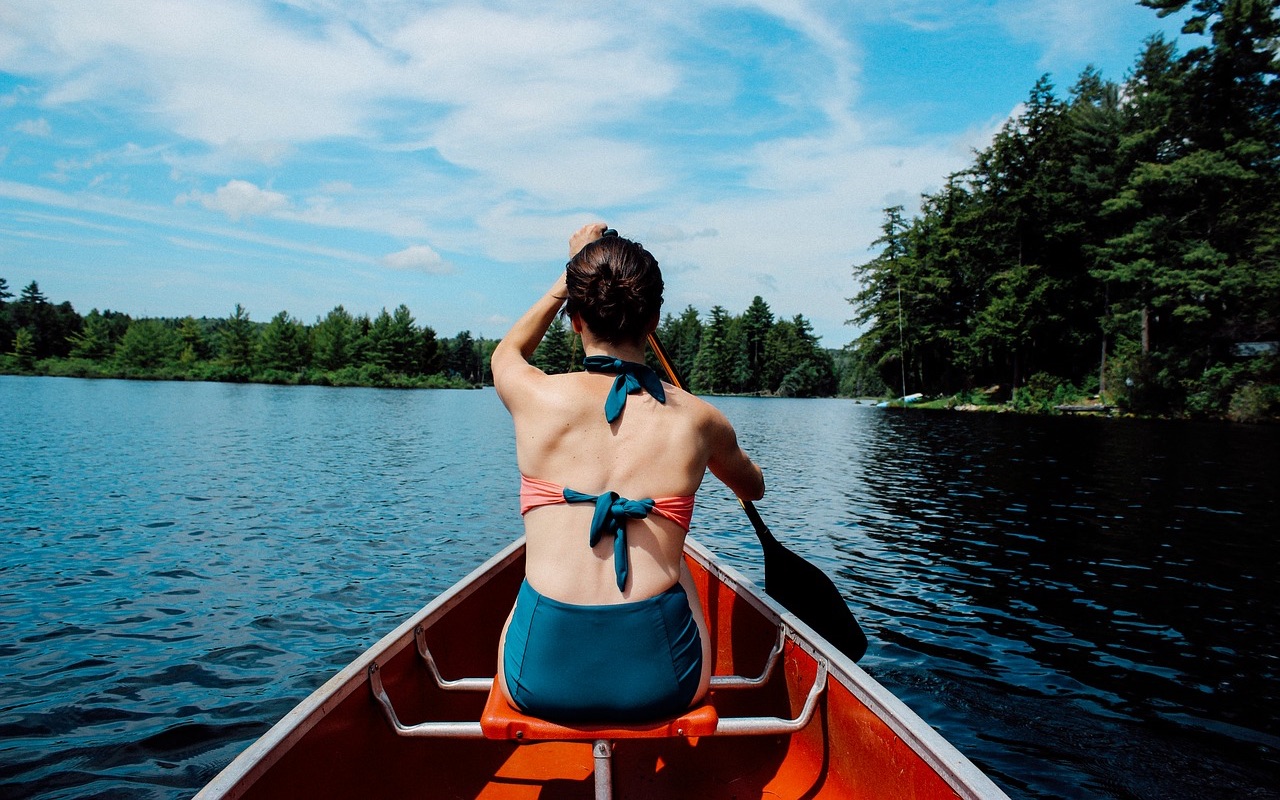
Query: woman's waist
675	590
575	573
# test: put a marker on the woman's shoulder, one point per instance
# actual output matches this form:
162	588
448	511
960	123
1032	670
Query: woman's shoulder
690	403
562	395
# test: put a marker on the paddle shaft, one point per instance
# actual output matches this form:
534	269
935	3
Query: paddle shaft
672	375
797	585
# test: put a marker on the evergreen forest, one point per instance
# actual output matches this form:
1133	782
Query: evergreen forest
1121	241
751	353
389	350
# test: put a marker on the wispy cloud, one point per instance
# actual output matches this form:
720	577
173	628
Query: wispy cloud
734	137
34	127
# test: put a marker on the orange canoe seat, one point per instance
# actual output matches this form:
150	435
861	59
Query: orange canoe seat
500	720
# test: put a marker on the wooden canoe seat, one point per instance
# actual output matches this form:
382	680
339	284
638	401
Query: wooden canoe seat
501	720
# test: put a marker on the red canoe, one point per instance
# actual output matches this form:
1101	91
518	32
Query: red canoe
788	717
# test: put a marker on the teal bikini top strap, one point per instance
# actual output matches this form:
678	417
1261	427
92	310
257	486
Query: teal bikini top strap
632	377
612	513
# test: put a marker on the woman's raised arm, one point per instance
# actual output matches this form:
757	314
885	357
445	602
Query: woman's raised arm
510	360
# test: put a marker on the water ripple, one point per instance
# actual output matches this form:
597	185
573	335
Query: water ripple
1077	604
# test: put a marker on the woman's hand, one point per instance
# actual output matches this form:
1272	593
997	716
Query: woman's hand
585	236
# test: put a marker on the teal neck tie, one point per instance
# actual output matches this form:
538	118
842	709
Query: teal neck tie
632	377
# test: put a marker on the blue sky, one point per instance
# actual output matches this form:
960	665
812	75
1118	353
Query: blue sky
174	158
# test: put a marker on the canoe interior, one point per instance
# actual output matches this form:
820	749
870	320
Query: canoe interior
338	744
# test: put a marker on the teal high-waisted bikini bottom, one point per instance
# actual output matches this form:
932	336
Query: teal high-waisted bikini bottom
631	662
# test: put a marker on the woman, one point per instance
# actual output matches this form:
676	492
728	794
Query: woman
607	626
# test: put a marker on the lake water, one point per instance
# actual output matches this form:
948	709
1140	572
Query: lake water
1084	607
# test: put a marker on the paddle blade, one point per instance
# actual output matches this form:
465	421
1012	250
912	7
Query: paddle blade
807	591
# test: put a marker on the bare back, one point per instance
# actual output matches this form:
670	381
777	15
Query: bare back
652	450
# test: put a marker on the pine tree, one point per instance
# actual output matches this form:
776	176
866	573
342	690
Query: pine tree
334	340
284	344
716	367
554	354
429	360
147	345
681	337
24	349
94	341
195	347
238	343
6	326
755	324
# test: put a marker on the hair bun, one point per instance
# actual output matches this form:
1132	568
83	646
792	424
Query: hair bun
615	287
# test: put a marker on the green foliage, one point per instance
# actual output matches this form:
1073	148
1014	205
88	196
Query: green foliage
556	353
718	365
1240	390
147	344
395	342
756	322
463	359
284	346
50	327
238	341
24	349
682	338
333	340
429	362
1043	393
1138	226
857	377
195	346
96	339
1254	403
338	351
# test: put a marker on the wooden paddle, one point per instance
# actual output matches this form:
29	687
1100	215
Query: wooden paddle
797	585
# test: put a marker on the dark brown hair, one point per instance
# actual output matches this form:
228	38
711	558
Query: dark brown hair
615	287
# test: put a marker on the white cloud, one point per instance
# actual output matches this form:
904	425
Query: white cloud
667	234
418	257
238	199
34	127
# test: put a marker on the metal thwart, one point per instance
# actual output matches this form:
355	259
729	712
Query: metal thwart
602	749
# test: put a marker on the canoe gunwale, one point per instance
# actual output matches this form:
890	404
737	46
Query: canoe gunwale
956	769
267	749
964	778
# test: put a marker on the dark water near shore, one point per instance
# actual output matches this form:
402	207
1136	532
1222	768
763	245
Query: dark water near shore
1085	608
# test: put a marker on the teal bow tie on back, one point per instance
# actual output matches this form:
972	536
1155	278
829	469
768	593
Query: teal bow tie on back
612	513
632	377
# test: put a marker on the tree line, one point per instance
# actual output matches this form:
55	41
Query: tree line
751	353
1123	240
340	349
